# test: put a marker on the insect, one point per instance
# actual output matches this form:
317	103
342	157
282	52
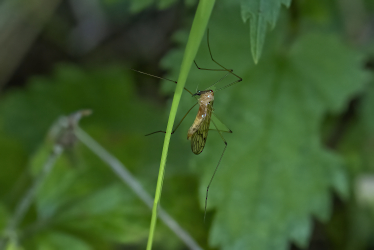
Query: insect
198	132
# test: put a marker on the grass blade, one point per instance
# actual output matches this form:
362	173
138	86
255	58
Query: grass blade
198	28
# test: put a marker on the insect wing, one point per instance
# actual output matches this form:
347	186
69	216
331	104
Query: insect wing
198	139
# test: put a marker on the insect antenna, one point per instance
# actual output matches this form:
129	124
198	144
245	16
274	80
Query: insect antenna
162	78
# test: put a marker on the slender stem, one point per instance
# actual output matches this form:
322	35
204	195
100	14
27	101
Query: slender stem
136	187
60	132
25	202
198	28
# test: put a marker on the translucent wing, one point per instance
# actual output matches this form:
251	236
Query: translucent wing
198	139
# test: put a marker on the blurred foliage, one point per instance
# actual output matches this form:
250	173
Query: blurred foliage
80	187
302	141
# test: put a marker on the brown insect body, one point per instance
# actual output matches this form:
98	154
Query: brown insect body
198	132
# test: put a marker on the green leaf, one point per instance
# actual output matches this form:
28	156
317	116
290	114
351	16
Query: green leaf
28	115
81	201
275	174
284	174
260	13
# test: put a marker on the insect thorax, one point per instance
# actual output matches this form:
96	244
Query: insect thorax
206	97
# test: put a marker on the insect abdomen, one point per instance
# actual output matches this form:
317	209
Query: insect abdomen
199	137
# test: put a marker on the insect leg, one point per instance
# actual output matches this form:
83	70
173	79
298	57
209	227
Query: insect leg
230	71
226	131
211	69
161	131
215	170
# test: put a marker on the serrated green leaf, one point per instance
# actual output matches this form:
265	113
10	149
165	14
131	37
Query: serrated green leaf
275	174
260	14
289	173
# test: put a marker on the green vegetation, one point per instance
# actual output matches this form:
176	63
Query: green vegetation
299	159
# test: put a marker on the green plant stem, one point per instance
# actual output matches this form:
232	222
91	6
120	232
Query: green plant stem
26	201
124	174
198	28
60	133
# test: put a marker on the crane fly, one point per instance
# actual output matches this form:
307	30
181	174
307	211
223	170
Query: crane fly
198	132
